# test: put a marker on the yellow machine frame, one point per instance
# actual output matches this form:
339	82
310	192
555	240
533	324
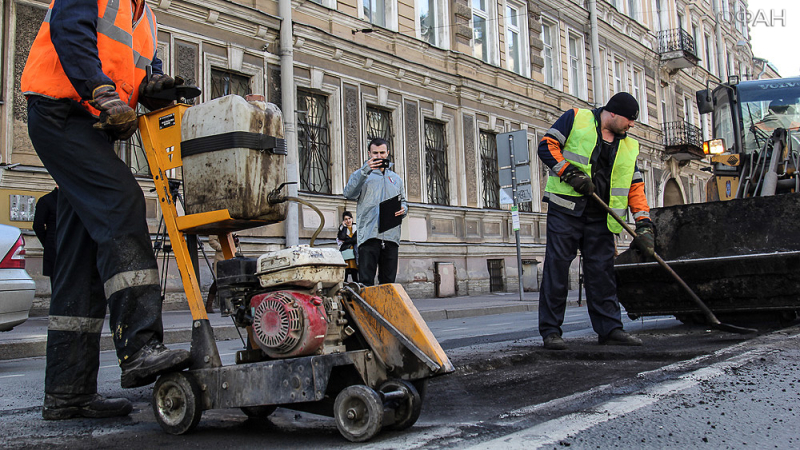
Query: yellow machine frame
161	139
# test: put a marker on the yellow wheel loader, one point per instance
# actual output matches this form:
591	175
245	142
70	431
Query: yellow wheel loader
740	251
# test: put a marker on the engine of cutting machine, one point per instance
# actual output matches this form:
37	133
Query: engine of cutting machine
289	298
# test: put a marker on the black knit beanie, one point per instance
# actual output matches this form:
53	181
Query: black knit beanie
624	104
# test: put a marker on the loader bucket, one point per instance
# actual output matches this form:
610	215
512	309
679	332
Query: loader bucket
738	256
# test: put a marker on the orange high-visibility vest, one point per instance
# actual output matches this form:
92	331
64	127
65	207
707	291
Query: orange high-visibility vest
125	50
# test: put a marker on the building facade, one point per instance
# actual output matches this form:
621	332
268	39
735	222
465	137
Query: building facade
439	79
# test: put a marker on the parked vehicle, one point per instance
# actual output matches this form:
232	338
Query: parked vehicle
16	286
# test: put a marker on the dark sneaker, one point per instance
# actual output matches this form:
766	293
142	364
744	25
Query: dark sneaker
554	342
619	337
151	361
95	406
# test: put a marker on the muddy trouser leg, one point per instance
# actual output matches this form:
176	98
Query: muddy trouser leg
368	256
101	230
600	281
563	238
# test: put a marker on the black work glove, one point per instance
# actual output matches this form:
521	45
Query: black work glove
116	117
148	89
579	181
645	240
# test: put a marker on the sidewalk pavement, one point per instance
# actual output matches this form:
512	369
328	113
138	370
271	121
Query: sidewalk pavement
30	338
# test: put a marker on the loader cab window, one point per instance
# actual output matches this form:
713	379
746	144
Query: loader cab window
766	106
723	122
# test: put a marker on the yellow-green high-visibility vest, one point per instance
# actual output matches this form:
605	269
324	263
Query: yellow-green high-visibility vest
578	151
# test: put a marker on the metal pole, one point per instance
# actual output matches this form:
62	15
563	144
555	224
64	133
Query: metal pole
514	198
292	223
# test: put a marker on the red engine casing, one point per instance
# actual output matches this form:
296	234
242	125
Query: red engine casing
288	323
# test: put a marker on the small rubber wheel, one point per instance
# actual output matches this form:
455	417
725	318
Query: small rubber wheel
358	411
259	412
407	409
176	403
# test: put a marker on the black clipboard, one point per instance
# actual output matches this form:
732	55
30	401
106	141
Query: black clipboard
386	214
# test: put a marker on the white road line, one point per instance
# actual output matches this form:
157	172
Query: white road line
454	329
551	432
13	376
108	367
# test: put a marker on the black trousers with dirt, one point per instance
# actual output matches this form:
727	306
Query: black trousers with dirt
104	254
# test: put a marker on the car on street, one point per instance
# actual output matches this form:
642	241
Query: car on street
17	288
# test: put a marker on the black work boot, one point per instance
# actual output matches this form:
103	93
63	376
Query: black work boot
151	361
619	337
95	406
554	341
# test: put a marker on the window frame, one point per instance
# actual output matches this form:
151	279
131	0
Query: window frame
440	26
447	182
390	14
556	51
329	169
496	171
578	85
521	29
492	36
641	95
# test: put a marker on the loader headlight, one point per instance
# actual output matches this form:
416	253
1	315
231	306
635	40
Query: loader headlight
714	147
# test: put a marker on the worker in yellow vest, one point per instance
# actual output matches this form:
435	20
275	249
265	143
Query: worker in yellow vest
590	151
85	74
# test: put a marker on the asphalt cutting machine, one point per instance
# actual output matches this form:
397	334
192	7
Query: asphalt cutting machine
359	354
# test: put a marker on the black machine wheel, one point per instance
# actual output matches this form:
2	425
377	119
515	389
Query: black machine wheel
358	411
176	403
407	408
259	412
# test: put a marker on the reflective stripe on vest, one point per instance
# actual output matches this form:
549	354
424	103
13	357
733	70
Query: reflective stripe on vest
578	150
125	50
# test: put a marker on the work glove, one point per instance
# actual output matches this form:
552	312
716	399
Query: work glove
645	240
149	88
116	117
581	182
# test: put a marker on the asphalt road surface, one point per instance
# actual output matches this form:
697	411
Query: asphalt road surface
687	386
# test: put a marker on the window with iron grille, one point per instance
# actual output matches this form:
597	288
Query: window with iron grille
314	144
379	125
436	163
225	82
491	182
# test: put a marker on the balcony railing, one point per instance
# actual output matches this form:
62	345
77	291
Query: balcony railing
682	140
677	48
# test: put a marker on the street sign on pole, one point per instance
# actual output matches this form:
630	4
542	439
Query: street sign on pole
513	161
520	150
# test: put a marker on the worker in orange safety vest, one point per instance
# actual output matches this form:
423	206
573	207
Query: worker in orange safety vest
85	74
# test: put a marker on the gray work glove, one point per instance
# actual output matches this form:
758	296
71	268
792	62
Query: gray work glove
581	182
116	117
645	240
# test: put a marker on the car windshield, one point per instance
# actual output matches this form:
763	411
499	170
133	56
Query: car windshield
767	106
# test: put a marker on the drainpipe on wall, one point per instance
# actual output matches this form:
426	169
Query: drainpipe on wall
596	63
723	73
292	225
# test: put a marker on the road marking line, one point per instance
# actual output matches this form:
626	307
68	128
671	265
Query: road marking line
108	367
551	432
12	376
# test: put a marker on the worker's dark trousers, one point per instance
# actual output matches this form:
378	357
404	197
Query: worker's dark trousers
565	234
376	254
103	251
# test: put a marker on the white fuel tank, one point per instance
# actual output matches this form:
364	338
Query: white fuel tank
233	155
